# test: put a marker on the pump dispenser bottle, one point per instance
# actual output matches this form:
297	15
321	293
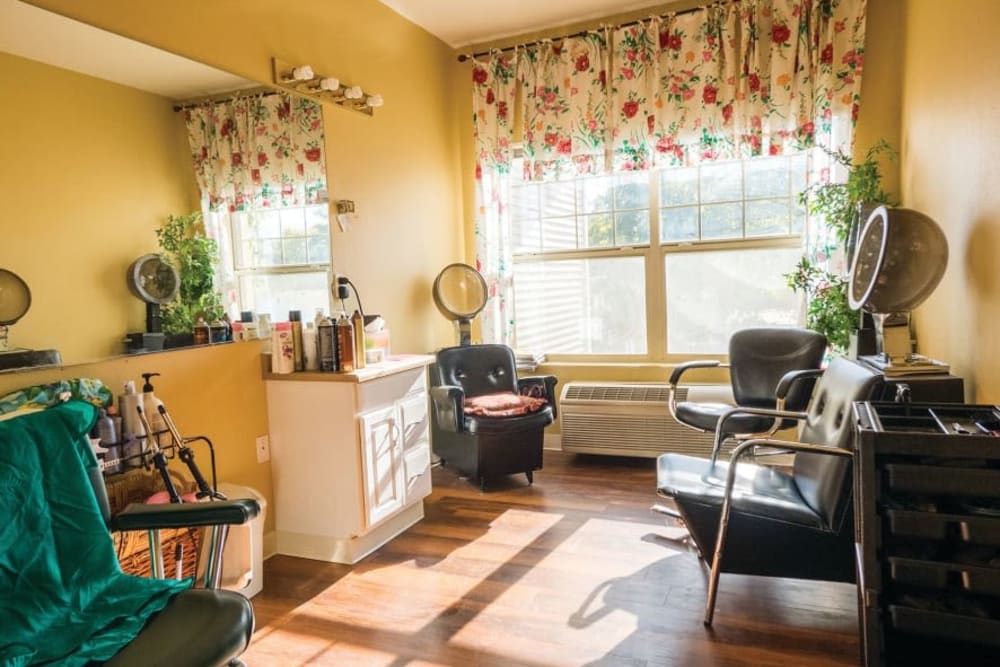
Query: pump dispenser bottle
127	402
151	407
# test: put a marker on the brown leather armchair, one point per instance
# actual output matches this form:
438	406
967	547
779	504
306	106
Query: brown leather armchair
482	445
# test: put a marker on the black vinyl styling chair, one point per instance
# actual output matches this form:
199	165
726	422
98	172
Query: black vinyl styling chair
487	446
199	627
759	520
760	360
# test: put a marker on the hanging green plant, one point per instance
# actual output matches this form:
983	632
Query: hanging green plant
182	239
840	205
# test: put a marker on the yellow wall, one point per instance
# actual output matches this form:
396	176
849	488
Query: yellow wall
950	171
92	169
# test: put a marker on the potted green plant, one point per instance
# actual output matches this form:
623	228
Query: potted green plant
844	207
182	239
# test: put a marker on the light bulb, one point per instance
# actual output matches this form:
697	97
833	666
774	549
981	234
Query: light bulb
329	83
374	101
302	73
353	93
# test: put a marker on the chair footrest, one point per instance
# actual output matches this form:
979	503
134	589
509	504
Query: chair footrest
663	509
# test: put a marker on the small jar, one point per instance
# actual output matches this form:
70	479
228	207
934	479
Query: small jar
202	333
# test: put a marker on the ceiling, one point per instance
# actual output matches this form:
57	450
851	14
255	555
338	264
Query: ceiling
463	23
37	34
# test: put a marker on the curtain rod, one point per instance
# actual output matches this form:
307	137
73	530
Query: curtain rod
462	57
227	97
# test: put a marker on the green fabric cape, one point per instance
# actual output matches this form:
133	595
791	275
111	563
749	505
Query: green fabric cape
63	597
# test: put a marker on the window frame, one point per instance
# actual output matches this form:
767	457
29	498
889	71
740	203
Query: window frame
655	254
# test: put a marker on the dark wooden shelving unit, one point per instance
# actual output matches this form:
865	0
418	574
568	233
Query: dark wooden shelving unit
927	517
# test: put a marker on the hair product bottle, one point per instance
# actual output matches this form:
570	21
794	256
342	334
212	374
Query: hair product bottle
345	344
358	322
310	347
327	345
295	317
282	348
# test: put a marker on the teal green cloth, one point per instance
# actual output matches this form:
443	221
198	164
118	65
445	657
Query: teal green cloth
63	597
91	390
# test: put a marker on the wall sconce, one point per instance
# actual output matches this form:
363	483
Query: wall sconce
303	80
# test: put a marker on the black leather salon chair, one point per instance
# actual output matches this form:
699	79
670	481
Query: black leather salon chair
481	446
760	520
200	627
760	360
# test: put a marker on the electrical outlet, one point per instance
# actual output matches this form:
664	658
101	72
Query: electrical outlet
263	449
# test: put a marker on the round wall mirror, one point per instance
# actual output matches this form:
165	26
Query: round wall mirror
460	294
15	300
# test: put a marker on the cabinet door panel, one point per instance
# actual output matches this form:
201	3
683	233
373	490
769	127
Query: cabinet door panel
385	490
413	421
418	472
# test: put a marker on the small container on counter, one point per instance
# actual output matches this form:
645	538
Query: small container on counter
345	345
326	333
282	349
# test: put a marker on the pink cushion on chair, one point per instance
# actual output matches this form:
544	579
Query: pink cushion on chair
502	404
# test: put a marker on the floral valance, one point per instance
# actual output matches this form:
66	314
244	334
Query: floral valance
257	151
728	81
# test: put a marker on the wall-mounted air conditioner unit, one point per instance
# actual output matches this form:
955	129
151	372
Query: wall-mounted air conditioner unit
632	419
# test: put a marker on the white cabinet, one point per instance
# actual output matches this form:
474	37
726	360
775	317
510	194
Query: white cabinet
350	458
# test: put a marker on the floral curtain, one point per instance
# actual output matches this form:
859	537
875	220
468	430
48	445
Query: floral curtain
493	94
258	151
729	81
565	106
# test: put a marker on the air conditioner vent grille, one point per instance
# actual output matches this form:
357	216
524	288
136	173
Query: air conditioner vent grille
626	419
657	393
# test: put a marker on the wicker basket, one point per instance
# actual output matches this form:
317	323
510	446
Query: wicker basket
135	486
133	551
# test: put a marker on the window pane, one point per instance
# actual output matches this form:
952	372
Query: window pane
295	251
632	228
267	223
722	182
722	221
767	217
267	252
632	191
679	186
600	231
712	294
559	234
293	222
581	306
559	199
797	166
679	224
526	235
524	202
318	221
767	177
596	193
276	294
319	250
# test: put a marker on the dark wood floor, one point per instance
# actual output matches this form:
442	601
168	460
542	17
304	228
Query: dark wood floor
569	571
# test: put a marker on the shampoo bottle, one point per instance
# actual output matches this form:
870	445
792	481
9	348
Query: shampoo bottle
310	351
326	332
151	408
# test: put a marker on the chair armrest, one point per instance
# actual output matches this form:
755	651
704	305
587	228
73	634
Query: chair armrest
449	407
675	378
789	379
138	516
680	369
746	448
720	431
540	386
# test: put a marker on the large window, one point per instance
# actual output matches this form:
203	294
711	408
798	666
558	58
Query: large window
658	263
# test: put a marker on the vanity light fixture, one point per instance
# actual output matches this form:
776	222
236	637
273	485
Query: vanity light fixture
302	80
